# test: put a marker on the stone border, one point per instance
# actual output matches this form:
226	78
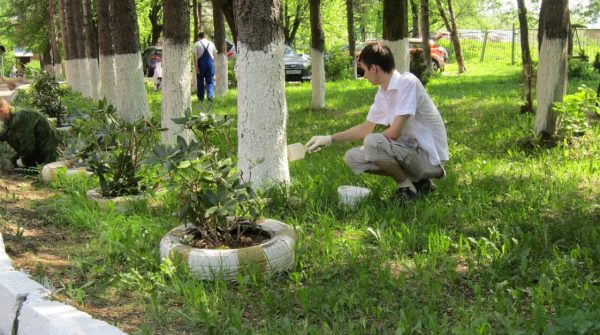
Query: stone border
26	308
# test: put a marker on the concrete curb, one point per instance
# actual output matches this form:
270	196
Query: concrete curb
26	309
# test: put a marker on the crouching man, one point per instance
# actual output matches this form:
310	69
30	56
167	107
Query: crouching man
30	134
413	147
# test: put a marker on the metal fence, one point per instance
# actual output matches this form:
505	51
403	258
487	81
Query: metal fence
504	45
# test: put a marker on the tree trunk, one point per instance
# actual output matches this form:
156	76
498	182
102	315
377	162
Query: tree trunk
132	101
227	6
106	57
262	109
414	9
55	53
351	37
425	35
64	27
395	31
552	74
221	80
73	62
176	74
91	50
317	55
450	24
196	15
155	14
290	29
526	57
85	83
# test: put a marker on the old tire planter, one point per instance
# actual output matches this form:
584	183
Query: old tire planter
50	171
274	255
123	204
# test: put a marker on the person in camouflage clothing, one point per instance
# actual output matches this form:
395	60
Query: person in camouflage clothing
30	134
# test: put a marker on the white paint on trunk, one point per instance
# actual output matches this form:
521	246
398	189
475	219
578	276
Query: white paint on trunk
401	54
132	100
73	75
69	72
353	66
221	80
85	84
551	83
94	78
317	78
57	69
262	115
176	94
108	78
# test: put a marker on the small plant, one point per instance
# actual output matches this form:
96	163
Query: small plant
597	62
337	66
418	66
573	110
46	96
211	194
578	68
116	155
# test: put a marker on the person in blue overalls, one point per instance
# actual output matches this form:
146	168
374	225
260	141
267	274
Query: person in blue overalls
204	55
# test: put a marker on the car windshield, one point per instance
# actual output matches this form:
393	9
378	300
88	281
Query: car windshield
288	51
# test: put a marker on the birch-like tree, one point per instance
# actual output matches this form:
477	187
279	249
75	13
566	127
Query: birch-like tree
262	109
317	55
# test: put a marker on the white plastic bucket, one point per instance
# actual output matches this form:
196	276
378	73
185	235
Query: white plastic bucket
352	195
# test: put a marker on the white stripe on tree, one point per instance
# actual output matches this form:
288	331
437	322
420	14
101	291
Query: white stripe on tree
262	115
108	78
221	80
175	88
132	100
318	78
401	55
85	85
551	83
94	78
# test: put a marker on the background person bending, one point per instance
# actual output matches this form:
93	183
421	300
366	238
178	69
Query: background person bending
413	147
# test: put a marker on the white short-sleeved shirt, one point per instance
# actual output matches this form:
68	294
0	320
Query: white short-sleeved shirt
199	48
406	95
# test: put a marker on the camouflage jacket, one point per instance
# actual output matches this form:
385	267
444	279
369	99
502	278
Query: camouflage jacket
33	138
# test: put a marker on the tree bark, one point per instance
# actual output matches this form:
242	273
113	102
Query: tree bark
132	101
221	80
106	53
317	55
395	31
262	109
155	14
175	84
56	68
196	6
351	37
425	35
414	9
528	74
450	23
290	29
227	6
91	50
552	74
62	10
73	62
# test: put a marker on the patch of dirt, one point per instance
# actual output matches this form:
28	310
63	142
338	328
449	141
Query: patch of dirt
45	250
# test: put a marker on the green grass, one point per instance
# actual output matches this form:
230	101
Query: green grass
507	244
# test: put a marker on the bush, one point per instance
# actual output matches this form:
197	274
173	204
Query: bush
418	67
573	110
579	69
337	66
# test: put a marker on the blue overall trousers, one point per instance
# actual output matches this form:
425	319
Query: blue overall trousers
205	75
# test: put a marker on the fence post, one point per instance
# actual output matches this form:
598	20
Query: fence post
485	37
512	55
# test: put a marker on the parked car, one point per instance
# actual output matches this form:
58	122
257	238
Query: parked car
439	55
153	54
297	66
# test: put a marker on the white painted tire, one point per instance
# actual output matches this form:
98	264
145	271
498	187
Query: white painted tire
123	204
274	255
50	170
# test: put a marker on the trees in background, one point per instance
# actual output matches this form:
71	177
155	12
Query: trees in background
425	35
106	53
528	74
450	23
395	31
221	81
351	37
552	70
261	104
317	55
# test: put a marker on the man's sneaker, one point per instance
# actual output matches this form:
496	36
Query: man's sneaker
424	186
405	195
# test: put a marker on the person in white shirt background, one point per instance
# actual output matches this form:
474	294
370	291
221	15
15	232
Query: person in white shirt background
413	148
204	55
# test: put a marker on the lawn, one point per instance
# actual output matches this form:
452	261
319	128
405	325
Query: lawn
508	243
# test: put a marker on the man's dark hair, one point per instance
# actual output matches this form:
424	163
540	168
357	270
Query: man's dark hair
377	53
201	35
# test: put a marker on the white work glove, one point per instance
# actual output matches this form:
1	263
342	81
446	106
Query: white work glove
317	142
20	163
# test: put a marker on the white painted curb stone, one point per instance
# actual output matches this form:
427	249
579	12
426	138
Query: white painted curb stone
15	288
274	255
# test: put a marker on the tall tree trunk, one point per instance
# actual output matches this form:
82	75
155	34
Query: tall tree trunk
106	58
425	35
221	82
395	31
552	74
85	84
132	101
176	76
155	15
450	23
351	37
73	62
528	74
262	109
56	68
64	27
317	56
290	29
414	9
227	6
91	49
196	5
